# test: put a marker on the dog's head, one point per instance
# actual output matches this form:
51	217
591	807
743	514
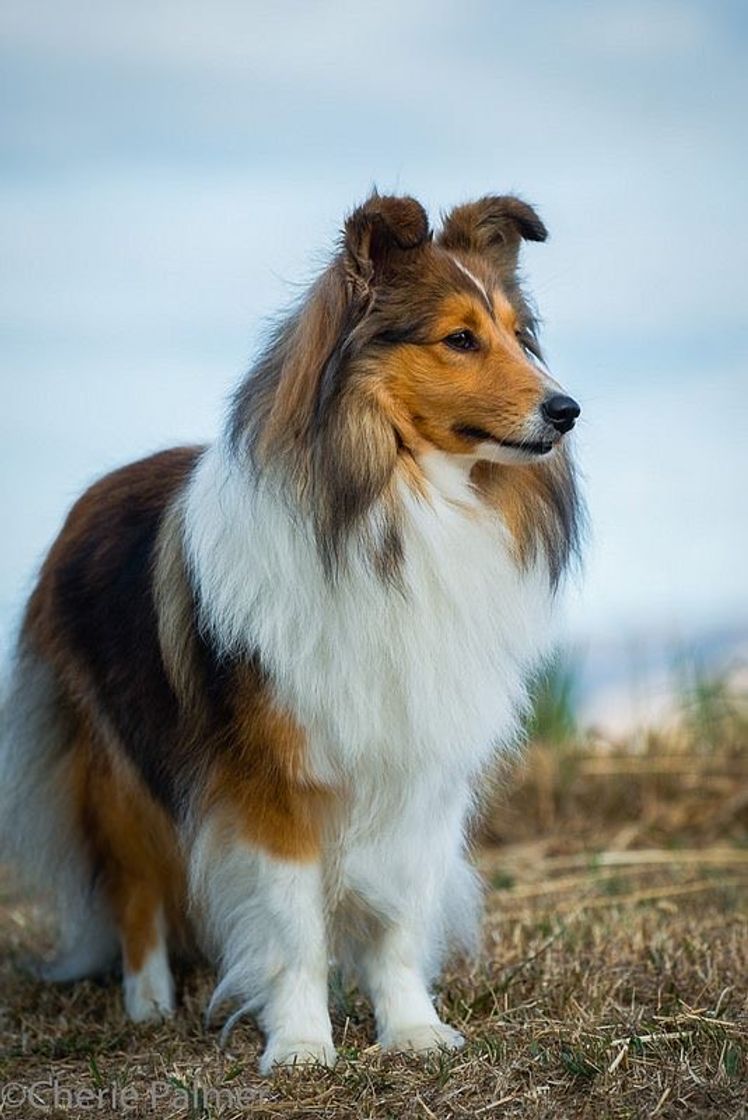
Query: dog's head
444	336
407	343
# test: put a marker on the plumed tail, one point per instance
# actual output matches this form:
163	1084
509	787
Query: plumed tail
40	837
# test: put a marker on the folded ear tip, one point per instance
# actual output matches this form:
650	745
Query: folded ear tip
492	223
534	229
406	219
403	218
527	220
536	233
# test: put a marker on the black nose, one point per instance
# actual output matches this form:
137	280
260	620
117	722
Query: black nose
560	411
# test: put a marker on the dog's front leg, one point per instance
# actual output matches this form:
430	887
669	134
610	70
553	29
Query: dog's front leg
294	1015
420	896
265	919
392	971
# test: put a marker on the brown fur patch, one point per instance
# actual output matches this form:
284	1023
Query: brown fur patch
506	314
133	847
261	786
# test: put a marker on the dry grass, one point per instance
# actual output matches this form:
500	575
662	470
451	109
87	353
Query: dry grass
613	983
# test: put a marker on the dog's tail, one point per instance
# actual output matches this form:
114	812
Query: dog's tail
41	839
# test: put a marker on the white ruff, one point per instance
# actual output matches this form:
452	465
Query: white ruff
378	678
404	694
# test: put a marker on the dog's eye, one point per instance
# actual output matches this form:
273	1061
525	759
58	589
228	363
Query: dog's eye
462	340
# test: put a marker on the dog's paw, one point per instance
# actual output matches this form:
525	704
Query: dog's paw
149	995
292	1052
423	1038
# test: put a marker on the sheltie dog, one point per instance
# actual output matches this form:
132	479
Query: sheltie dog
259	683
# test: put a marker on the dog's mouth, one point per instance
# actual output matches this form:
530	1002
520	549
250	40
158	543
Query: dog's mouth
529	447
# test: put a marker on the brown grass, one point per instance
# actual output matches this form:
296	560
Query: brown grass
613	982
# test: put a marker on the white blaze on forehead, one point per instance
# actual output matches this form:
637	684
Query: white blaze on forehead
471	276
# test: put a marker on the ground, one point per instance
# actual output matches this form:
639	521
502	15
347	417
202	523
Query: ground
612	984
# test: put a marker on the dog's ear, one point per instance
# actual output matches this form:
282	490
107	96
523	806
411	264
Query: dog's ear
493	226
376	236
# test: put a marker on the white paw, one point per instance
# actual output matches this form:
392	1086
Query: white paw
148	997
423	1038
147	1009
298	1052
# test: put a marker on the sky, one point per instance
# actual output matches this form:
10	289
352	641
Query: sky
174	172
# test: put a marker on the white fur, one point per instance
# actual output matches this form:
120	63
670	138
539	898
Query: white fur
471	276
92	946
432	677
404	695
495	452
264	922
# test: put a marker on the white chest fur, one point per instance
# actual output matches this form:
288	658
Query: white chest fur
429	675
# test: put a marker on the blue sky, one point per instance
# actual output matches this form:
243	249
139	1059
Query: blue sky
173	171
